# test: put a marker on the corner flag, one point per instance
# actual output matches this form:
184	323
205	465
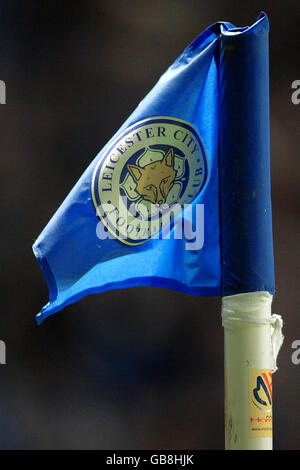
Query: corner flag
180	196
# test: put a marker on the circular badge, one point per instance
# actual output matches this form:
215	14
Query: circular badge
152	168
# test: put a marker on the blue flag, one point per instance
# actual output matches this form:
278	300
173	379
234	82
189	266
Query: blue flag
180	196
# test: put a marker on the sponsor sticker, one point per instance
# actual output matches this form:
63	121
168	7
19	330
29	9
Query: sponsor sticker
260	402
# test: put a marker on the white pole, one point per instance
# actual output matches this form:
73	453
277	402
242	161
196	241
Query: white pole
252	339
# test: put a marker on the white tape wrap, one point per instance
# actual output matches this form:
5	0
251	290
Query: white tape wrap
253	310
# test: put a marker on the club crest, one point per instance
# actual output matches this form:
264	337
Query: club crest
154	165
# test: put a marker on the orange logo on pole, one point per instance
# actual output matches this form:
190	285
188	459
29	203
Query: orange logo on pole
260	402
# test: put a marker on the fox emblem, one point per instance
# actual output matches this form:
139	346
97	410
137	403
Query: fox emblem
147	177
155	180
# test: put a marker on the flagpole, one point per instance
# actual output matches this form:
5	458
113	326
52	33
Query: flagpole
252	339
252	335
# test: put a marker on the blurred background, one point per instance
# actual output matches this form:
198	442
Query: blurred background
140	368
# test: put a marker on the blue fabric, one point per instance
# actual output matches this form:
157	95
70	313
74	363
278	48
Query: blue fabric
245	202
219	85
